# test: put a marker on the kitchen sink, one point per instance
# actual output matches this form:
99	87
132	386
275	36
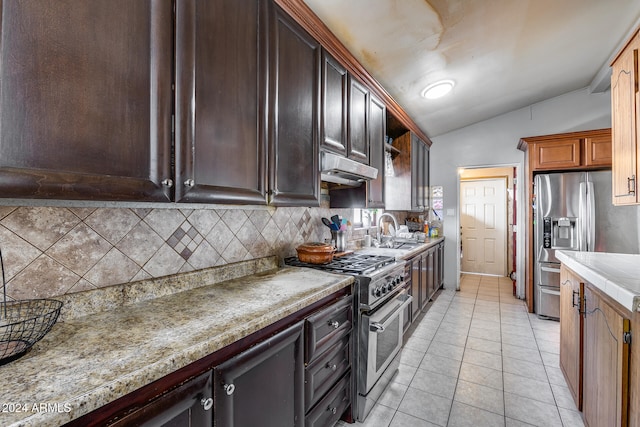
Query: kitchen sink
406	245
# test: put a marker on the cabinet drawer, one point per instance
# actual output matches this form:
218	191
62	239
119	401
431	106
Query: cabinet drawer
327	327
331	408
323	373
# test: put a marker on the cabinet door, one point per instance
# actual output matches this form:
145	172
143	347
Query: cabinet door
334	105
597	151
263	386
556	154
424	172
431	280
220	101
417	181
408	311
571	330
188	406
606	364
357	119
294	175
424	279
624	122
436	268
377	132
416	265
441	249
86	99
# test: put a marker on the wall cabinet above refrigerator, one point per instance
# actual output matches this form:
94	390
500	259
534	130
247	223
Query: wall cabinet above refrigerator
575	150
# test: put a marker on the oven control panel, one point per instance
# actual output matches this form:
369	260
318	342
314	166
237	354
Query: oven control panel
387	285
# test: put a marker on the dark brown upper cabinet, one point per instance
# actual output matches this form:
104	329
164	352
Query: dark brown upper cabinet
294	113
86	100
334	105
377	132
358	148
221	80
408	188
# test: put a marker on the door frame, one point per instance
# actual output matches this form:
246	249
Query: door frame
507	234
520	200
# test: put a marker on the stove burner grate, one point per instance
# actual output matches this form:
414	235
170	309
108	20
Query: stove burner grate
350	263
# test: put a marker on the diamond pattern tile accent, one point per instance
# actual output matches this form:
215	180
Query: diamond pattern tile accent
185	240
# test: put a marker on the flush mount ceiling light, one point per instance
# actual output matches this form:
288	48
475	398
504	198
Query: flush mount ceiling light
438	89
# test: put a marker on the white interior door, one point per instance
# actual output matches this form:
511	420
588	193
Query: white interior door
483	223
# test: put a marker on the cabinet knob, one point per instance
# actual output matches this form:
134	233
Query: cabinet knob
167	182
189	183
207	403
333	410
332	367
334	323
229	389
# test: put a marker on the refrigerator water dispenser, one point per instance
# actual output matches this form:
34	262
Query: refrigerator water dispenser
564	233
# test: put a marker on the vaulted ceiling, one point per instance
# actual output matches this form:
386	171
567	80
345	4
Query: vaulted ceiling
502	54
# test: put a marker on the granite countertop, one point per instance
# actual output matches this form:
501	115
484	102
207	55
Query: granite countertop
87	362
617	275
403	253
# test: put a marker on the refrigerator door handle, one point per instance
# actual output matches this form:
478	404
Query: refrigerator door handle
591	218
583	220
550	270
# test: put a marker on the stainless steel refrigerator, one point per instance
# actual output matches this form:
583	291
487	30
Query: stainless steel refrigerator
574	211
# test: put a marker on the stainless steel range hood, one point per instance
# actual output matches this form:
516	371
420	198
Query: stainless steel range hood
341	170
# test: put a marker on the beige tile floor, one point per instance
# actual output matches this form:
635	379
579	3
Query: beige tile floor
477	358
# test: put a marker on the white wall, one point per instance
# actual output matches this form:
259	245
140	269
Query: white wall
494	143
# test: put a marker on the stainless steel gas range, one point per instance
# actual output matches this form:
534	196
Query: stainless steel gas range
380	302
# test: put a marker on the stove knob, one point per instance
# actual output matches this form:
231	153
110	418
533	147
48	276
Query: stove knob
390	286
377	292
383	289
398	280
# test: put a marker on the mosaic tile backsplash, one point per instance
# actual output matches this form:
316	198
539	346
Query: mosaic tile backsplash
52	251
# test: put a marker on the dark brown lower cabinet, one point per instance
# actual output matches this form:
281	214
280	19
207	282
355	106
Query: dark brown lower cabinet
406	321
416	264
187	406
424	279
328	411
263	386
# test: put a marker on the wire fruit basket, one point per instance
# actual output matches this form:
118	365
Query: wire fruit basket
23	322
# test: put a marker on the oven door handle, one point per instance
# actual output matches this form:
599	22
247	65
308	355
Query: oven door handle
379	321
376	327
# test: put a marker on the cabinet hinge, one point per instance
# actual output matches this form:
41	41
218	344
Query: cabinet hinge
626	337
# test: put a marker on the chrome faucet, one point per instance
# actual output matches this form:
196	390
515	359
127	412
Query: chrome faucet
395	224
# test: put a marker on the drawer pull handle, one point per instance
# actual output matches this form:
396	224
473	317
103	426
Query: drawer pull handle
229	389
573	299
332	367
334	323
333	410
206	403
